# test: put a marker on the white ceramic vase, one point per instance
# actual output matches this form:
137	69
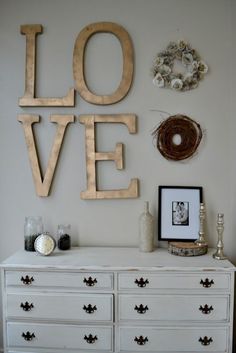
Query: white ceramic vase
146	230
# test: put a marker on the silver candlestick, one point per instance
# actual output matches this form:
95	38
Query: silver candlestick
219	255
201	240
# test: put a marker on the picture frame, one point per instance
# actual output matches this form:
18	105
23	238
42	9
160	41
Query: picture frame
178	212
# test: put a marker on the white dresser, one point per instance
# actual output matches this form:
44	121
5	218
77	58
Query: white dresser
117	300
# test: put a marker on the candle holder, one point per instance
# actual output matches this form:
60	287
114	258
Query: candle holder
201	241
219	254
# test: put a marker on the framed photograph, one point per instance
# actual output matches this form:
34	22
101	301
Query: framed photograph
178	212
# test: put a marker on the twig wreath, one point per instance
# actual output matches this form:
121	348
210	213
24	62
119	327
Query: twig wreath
163	67
187	129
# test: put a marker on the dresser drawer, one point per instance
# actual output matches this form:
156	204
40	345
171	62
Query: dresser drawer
54	306
173	308
206	281
63	337
185	339
78	280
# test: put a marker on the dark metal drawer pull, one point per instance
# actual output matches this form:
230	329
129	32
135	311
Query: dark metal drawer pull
27	280
90	282
141	282
205	341
28	336
206	283
90	338
206	309
89	308
141	340
27	306
141	309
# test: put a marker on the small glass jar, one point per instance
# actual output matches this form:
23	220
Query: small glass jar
32	229
63	237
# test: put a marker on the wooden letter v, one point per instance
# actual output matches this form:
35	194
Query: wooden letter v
42	185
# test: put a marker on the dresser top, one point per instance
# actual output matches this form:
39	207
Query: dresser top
115	258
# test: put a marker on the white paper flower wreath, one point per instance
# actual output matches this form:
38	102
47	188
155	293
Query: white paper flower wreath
163	67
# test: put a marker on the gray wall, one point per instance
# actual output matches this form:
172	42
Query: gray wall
207	24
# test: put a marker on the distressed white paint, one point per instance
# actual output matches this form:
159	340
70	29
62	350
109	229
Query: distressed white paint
173	294
100	258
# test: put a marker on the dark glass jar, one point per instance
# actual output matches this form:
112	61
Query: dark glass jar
63	237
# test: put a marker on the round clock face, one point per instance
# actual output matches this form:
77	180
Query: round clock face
44	244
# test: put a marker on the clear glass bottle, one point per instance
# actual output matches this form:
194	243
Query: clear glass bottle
32	228
146	230
63	237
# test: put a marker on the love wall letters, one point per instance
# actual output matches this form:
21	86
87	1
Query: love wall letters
29	99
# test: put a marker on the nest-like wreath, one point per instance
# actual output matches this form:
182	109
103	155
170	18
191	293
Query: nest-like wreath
163	67
190	134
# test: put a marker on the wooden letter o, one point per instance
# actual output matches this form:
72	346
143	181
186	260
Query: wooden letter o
78	62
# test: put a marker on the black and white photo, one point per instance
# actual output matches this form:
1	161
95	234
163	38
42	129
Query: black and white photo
178	213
